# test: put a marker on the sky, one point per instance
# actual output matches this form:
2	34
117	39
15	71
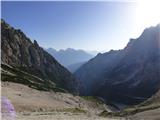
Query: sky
99	26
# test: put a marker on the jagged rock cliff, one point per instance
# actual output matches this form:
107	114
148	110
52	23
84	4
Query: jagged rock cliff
18	52
126	76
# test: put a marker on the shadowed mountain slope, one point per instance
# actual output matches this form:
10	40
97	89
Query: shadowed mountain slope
128	76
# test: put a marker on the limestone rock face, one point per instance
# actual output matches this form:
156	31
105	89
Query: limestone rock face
19	51
127	76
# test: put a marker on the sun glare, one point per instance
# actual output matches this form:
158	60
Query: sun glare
147	13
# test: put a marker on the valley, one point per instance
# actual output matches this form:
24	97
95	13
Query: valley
116	85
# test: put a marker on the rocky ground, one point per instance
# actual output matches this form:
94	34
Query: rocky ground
31	104
153	106
61	116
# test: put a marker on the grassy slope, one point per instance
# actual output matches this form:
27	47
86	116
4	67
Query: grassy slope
18	75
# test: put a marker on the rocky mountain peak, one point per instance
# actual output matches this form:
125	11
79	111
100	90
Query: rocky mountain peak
126	76
35	43
19	52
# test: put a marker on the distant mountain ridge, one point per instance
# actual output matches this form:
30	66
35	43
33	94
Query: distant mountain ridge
26	62
72	68
128	76
70	57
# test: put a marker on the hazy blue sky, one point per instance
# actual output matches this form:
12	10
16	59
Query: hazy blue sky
97	26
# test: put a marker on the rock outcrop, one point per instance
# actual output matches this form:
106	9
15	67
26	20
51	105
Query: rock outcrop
19	52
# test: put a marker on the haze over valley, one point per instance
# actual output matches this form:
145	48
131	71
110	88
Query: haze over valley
70	58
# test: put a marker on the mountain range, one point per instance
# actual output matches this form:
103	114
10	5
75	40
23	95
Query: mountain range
127	76
70	58
35	86
118	78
